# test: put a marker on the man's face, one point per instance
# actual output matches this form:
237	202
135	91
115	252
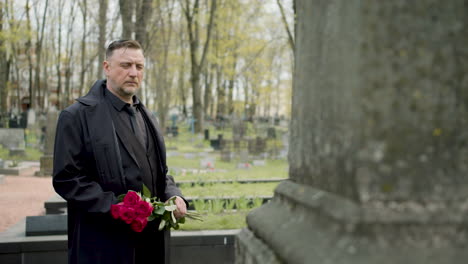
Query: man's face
124	71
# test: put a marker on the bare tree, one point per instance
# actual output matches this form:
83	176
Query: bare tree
286	25
102	33
28	51
181	80
39	42
69	55
164	82
84	13
127	9
144	14
4	65
191	15
58	55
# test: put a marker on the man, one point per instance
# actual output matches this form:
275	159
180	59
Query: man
106	144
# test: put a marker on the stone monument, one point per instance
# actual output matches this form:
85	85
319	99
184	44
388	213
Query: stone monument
46	161
378	138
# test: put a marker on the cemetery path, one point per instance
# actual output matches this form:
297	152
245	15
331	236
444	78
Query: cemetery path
23	195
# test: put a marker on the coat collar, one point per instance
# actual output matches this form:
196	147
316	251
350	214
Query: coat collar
95	94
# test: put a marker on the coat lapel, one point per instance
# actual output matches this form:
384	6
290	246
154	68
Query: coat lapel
129	141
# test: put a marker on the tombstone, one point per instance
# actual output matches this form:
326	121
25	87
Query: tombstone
217	144
31	118
46	161
17	152
377	164
257	146
12	138
238	129
271	132
226	155
172	131
244	156
259	163
207	134
46	225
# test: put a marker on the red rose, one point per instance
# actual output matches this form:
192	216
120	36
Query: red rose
143	209
131	198
139	224
115	210
127	214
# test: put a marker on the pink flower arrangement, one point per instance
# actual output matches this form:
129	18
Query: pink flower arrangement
133	211
138	209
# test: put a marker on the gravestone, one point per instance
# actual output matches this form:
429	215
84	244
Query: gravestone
238	129
257	146
46	225
226	155
271	132
377	147
244	156
46	161
12	138
18	152
259	162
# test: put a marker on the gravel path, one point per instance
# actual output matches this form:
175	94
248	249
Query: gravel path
22	196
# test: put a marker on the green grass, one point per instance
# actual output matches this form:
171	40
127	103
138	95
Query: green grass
32	154
230	220
273	169
234	189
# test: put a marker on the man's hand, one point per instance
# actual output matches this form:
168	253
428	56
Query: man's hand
181	207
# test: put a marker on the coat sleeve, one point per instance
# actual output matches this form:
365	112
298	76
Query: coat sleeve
71	178
172	189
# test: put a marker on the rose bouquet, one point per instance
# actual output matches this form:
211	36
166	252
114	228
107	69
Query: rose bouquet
138	209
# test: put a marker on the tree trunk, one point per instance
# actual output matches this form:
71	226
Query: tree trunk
84	13
58	57
127	9
3	66
69	57
102	35
191	15
221	94
144	15
28	51
286	25
40	38
207	102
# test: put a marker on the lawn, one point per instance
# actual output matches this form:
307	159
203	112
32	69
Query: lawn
189	170
229	190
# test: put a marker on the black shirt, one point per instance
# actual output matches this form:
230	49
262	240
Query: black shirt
140	128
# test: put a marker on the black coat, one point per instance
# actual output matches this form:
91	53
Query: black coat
88	174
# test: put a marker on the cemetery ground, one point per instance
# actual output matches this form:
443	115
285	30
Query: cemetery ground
223	183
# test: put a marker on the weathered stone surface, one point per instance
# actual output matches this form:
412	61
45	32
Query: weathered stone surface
46	225
377	151
46	167
12	138
52	117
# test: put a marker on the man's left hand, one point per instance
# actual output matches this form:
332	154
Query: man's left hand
181	207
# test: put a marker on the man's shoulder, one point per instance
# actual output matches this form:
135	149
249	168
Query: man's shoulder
74	108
